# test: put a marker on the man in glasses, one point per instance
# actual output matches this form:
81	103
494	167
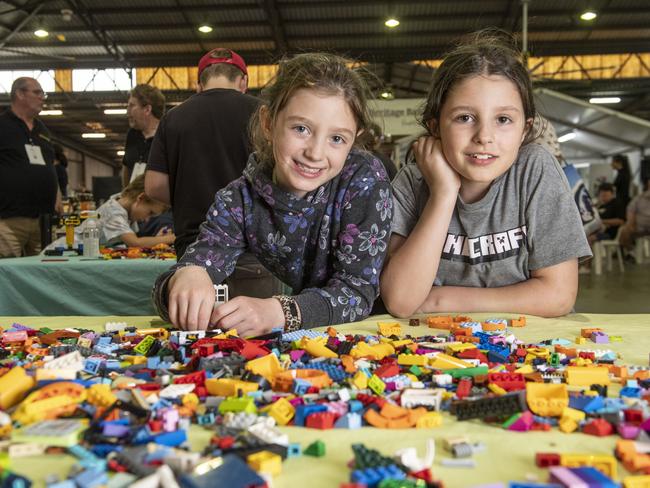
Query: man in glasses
28	183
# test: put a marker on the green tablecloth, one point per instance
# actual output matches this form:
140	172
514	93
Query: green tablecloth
32	286
509	455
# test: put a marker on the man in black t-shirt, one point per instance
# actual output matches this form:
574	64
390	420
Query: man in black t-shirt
202	144
28	183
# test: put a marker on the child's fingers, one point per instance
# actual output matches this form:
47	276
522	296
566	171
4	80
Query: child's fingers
173	312
223	310
181	304
194	316
205	310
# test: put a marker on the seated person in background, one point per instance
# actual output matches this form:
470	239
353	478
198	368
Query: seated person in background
118	217
638	219
311	207
611	210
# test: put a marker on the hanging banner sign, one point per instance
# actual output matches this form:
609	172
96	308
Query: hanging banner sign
397	117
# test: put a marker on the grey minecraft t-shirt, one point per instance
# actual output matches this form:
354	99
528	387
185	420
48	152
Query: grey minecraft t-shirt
527	220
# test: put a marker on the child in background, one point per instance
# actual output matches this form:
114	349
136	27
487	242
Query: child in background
314	209
483	221
118	215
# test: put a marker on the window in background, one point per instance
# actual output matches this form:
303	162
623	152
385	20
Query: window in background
101	80
45	78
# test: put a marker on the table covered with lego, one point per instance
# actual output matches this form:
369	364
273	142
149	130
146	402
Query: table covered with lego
508	449
73	285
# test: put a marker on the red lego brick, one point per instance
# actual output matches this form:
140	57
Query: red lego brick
508	381
633	416
464	388
598	427
547	459
387	370
320	420
197	378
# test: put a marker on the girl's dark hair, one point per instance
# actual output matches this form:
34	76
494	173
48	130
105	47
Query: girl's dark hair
486	52
323	72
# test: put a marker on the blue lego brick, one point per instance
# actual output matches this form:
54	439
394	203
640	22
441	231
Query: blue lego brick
299	334
153	362
355	406
630	392
495	357
348	421
593	477
231	473
588	404
335	372
294	450
371	477
300	386
91	478
92	365
62	484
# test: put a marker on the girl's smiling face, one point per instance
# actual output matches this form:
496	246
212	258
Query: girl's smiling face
311	139
482	126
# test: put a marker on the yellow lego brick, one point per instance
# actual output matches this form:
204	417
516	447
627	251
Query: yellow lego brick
494	388
100	395
547	399
389	329
400	343
377	352
458	347
412	359
604	463
636	481
444	361
317	347
570	419
360	380
265	462
535	353
136	359
267	366
13	387
429	420
580	340
229	387
282	411
525	369
587	376
30	412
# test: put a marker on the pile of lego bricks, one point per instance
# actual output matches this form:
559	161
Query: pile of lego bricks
159	251
122	401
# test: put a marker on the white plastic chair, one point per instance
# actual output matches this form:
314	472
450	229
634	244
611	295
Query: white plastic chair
642	249
603	249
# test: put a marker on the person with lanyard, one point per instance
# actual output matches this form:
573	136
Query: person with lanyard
28	182
145	108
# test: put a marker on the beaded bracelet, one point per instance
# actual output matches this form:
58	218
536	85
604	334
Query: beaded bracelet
292	318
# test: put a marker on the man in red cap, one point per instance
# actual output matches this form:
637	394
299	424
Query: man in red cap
202	145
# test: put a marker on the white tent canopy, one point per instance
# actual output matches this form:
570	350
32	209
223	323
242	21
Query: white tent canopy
599	131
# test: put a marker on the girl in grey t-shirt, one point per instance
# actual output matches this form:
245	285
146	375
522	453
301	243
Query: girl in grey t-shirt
483	220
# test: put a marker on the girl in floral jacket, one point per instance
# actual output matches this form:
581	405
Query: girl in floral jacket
315	210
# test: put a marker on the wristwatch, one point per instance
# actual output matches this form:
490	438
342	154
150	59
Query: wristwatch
292	317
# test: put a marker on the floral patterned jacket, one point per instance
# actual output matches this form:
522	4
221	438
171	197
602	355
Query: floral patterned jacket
329	247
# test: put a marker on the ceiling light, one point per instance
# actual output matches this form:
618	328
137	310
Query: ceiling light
605	100
114	111
387	95
93	135
41	32
120	152
566	137
392	23
205	28
588	15
50	112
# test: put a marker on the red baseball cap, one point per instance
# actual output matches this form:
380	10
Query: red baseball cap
218	55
